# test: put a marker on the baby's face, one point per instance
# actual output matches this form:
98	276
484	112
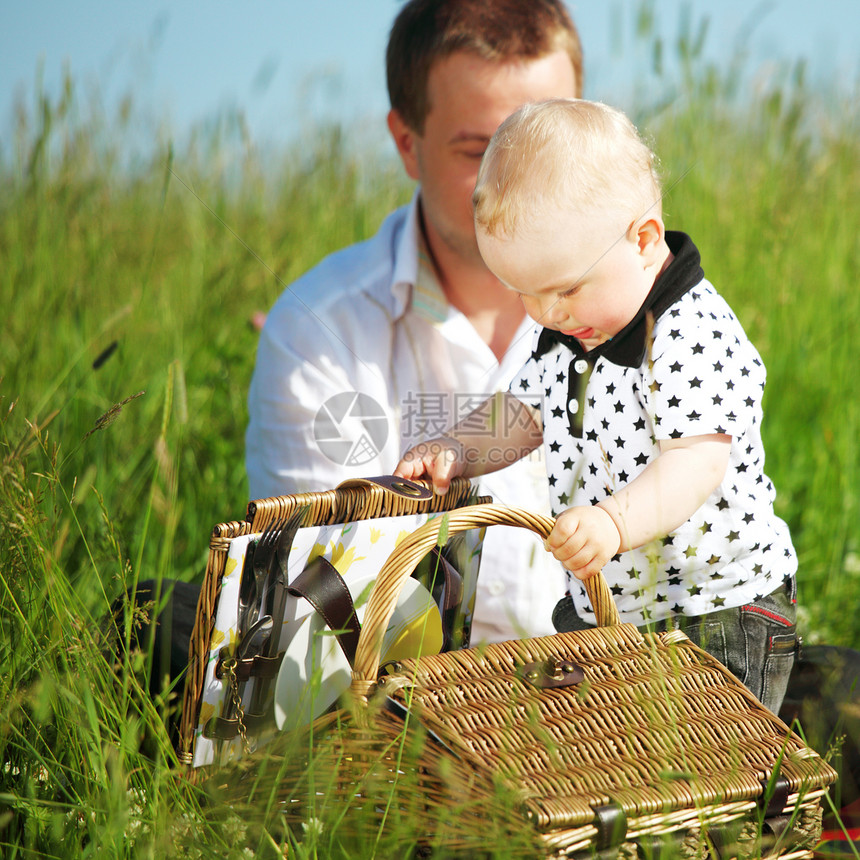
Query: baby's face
574	275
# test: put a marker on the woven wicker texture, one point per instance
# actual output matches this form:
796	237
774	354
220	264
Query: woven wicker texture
401	564
655	748
656	726
360	500
375	773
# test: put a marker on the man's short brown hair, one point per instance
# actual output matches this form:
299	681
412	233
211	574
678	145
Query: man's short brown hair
497	30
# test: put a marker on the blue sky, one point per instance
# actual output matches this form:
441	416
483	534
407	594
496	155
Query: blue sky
284	64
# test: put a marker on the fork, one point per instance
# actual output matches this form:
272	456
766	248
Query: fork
263	554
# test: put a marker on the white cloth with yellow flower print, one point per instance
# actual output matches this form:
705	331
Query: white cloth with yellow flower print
357	551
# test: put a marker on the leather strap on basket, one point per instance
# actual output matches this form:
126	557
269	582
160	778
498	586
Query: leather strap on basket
324	588
250	667
451	581
402	561
400	486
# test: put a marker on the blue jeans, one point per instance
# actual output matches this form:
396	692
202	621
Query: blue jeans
756	642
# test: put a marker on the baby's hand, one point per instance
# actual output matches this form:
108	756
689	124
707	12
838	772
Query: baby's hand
583	540
439	459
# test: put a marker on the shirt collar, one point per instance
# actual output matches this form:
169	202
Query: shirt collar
428	299
627	348
414	280
405	255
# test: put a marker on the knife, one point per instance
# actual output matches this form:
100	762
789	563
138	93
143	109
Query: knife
276	596
246	592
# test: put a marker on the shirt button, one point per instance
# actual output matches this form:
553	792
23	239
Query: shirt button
581	365
496	587
573	406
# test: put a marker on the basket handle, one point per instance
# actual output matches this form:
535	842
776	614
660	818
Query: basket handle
400	564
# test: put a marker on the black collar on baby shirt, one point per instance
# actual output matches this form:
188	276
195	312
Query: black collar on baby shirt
627	348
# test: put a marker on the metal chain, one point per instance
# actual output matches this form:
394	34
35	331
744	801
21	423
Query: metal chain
229	666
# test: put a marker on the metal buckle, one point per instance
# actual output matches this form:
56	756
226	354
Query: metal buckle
552	673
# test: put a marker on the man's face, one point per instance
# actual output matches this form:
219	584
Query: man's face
469	98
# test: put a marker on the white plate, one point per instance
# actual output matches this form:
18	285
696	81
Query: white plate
315	672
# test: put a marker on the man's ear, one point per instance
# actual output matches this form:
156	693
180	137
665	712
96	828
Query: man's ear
648	233
404	140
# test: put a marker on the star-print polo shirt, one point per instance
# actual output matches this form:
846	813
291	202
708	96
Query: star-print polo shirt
682	367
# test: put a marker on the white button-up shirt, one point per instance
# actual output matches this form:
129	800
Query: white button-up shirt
363	357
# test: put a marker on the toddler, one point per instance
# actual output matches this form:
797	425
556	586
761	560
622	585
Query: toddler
643	389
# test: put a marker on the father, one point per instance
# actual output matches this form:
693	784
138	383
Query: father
403	334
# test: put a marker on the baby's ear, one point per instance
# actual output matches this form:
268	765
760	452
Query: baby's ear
648	233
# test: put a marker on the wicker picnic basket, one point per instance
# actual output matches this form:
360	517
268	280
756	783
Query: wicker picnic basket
353	501
611	741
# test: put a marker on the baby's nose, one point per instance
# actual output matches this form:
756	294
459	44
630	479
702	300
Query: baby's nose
554	311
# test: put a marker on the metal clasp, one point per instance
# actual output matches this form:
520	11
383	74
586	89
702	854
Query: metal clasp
553	673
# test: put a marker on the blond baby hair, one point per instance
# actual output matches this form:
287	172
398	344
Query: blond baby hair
579	155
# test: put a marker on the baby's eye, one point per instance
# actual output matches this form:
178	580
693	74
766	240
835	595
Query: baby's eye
571	292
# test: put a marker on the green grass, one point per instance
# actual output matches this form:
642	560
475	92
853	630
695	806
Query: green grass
164	261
